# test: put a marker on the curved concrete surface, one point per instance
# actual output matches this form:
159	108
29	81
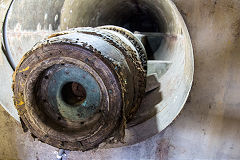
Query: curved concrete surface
208	126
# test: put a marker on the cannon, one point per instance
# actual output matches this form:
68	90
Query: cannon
96	73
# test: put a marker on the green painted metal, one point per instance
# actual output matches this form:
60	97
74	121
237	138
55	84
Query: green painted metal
86	108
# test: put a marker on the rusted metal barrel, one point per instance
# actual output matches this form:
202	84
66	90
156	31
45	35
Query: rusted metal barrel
78	88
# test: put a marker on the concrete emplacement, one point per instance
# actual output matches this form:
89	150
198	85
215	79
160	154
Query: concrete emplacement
170	56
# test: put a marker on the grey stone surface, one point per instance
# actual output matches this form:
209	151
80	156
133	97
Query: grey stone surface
208	126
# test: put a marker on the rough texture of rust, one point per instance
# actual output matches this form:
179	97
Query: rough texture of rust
133	39
117	67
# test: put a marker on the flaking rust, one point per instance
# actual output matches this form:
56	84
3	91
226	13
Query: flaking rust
112	77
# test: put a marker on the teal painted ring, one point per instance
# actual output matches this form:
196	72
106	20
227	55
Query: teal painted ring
79	111
48	121
110	88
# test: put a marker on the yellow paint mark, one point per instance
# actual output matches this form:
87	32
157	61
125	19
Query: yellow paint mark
20	103
27	68
20	100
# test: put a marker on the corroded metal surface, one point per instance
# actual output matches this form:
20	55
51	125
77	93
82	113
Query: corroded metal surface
208	126
104	63
173	59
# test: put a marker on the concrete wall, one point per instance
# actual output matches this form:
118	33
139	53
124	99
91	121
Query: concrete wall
207	128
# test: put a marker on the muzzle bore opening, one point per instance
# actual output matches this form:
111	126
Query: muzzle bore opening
73	93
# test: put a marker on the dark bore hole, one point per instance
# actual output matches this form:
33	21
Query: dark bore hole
140	20
73	93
